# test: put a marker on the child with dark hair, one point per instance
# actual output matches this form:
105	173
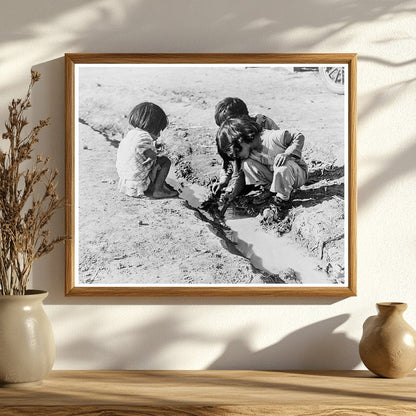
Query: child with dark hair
231	176
271	158
139	168
233	107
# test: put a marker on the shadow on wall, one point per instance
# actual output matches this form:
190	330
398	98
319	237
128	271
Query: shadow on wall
392	170
152	345
315	346
141	347
48	100
131	18
135	26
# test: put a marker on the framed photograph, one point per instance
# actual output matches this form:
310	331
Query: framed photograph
211	174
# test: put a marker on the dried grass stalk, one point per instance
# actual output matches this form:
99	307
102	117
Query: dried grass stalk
28	199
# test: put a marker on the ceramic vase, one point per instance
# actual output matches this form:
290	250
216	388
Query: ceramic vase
388	345
27	347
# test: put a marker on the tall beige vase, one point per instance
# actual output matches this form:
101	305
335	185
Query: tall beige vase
27	347
388	345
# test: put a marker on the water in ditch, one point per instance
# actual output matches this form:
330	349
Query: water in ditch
265	251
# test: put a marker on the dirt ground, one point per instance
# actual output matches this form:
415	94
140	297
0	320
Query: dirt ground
144	241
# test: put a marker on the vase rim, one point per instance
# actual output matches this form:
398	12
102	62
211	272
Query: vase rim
401	306
30	293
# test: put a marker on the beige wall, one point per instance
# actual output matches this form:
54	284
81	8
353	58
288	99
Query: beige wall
194	333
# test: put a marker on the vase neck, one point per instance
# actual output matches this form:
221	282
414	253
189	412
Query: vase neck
30	296
390	308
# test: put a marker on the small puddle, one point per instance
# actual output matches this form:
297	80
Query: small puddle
265	251
273	254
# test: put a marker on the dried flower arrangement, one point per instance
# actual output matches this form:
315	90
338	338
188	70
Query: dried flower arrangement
28	199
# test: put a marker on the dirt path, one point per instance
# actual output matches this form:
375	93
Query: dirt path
142	241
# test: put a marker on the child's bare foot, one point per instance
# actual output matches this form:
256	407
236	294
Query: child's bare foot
165	193
166	186
170	188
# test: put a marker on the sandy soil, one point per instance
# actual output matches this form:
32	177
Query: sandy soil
144	241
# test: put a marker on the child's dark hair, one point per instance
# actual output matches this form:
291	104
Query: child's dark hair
228	108
149	117
233	132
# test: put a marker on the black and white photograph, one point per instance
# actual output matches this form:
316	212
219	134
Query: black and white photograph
211	175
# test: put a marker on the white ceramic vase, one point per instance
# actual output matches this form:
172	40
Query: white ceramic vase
27	347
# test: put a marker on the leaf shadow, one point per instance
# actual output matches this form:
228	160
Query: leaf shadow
315	346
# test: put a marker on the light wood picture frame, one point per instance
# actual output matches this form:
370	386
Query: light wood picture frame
201	244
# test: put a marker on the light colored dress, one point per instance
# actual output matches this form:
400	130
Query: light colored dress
259	168
135	175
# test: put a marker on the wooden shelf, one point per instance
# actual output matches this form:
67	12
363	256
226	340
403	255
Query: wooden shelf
202	393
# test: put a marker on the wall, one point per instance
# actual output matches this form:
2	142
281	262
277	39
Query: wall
195	333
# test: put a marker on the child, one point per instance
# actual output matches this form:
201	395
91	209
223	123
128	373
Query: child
271	158
233	107
231	176
138	166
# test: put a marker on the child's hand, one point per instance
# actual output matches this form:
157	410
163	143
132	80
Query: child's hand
280	159
150	156
147	161
227	197
216	187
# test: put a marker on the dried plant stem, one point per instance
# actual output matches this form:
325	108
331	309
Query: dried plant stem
24	216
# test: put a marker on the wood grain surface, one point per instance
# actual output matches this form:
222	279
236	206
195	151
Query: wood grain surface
213	393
